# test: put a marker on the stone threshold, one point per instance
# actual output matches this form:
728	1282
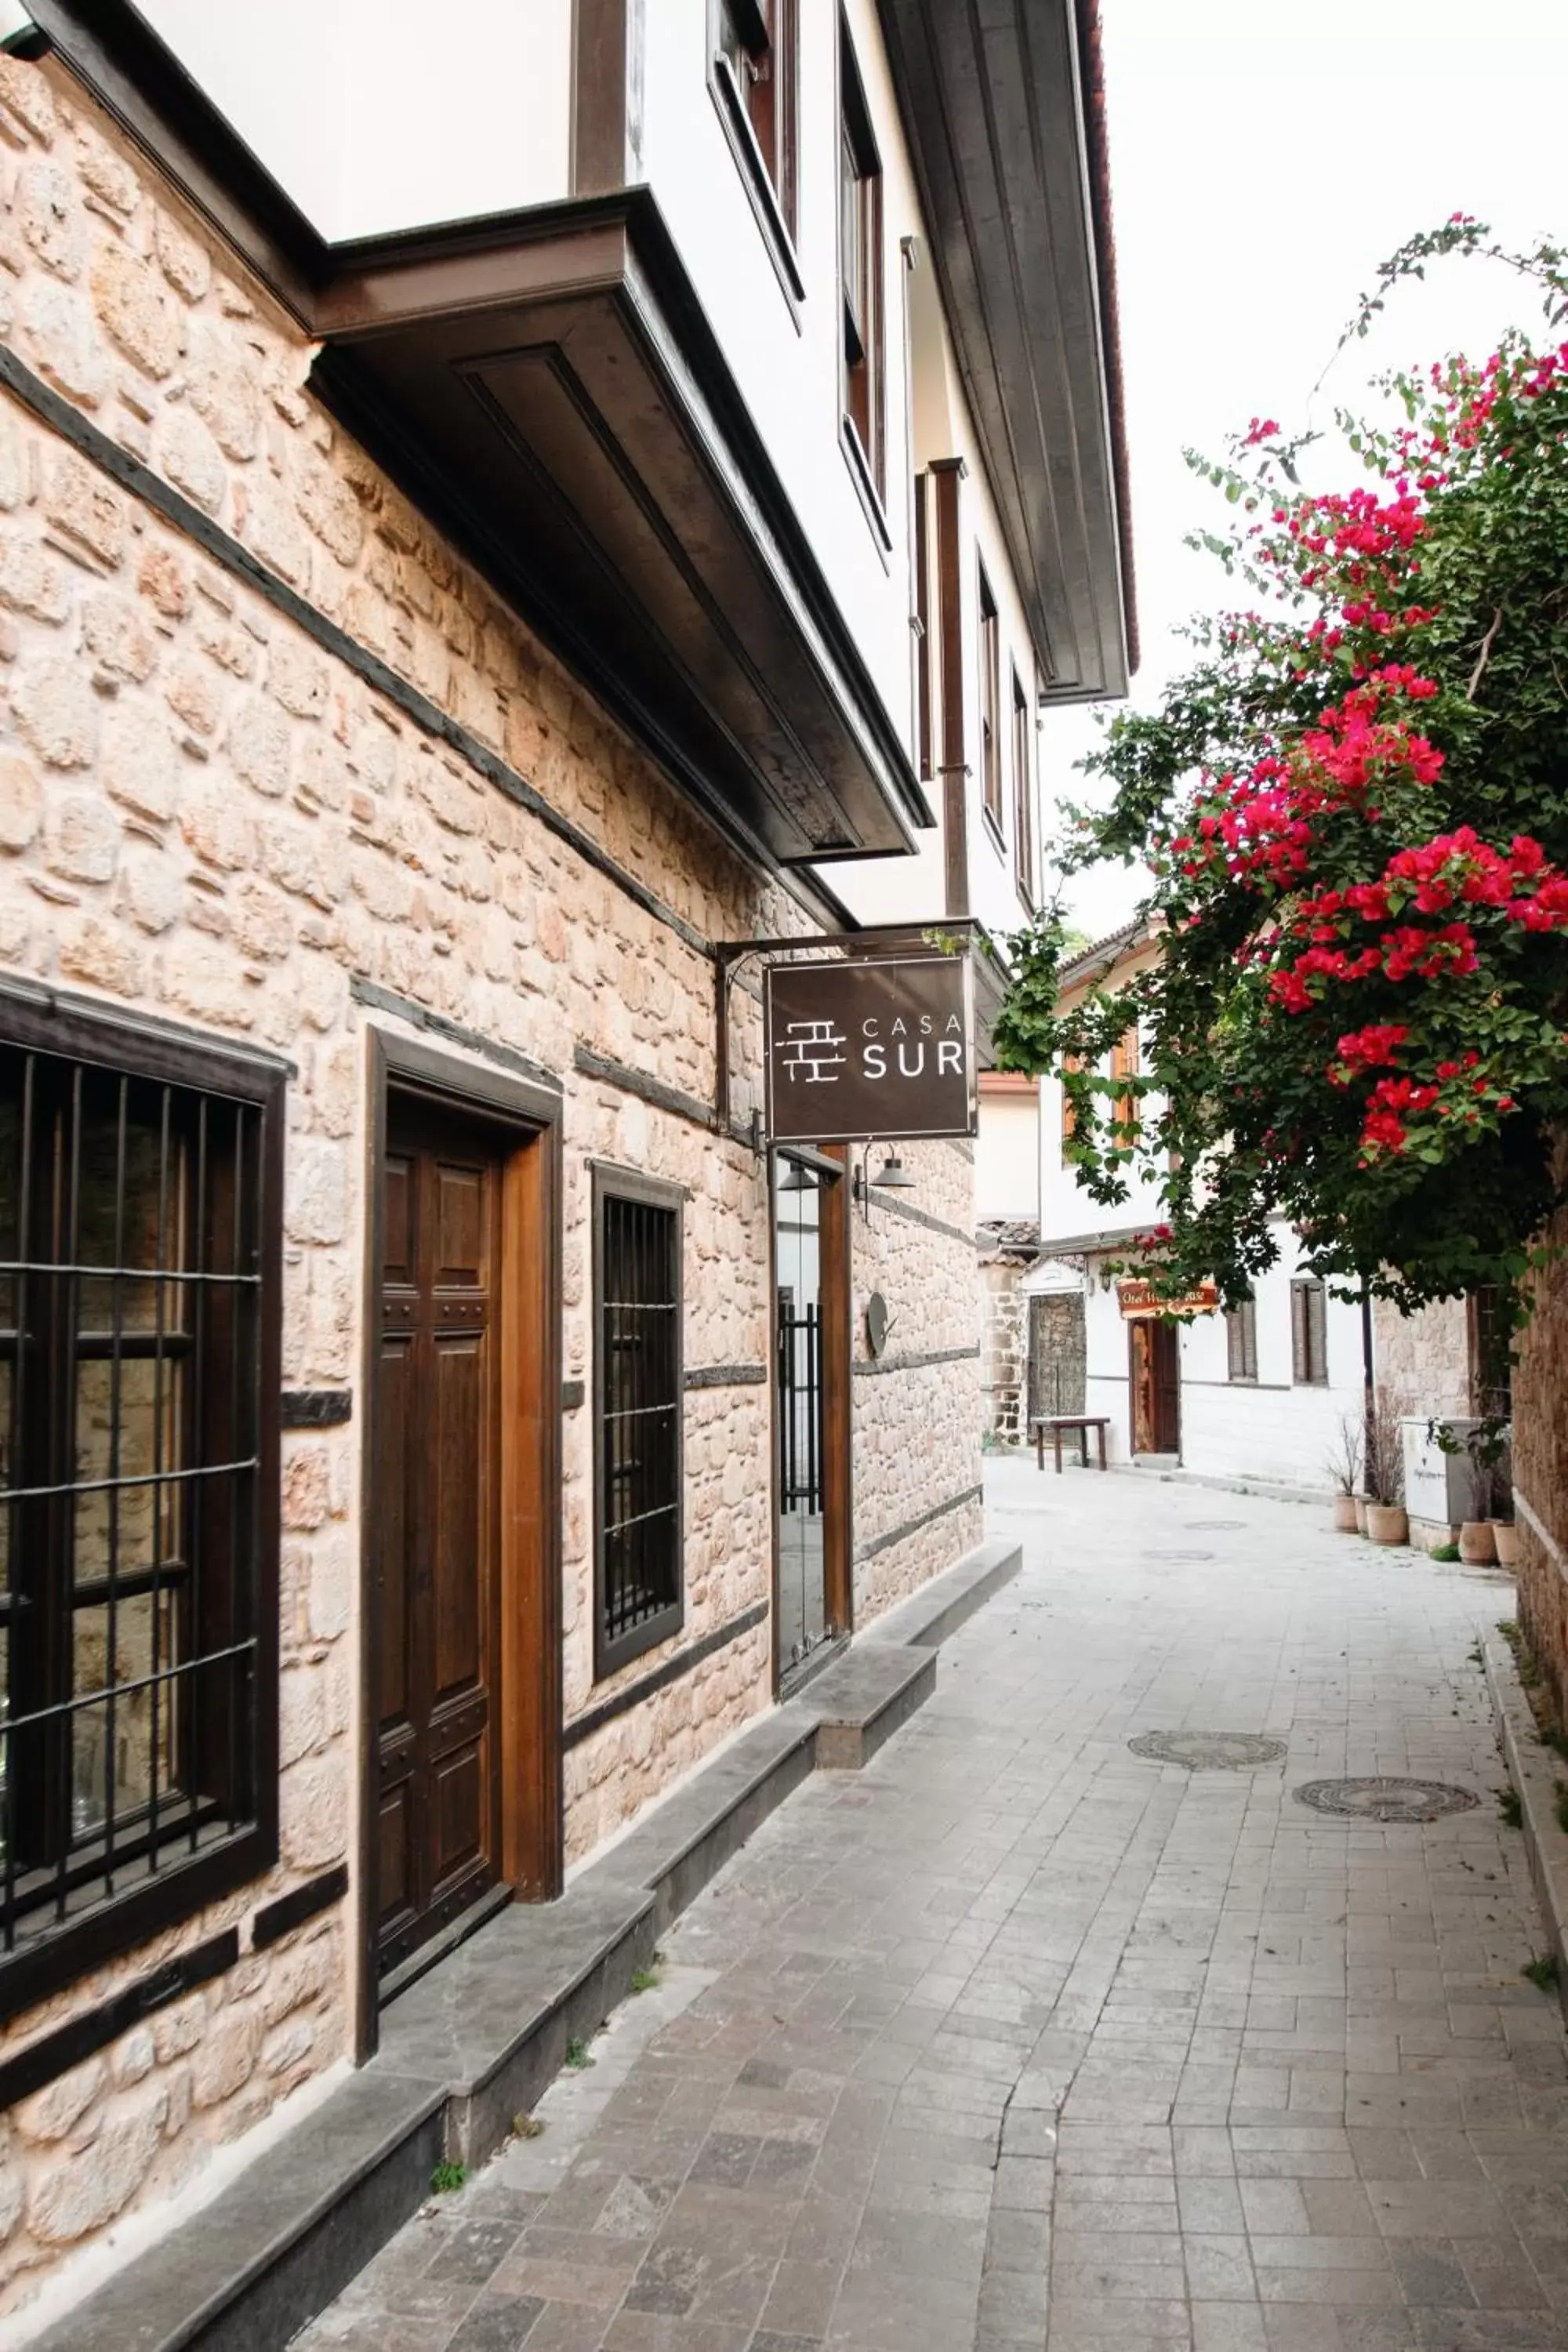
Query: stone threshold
1535	1772
475	2042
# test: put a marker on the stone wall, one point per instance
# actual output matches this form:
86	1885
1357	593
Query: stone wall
1005	1342
1423	1360
1540	1464
206	815
916	1412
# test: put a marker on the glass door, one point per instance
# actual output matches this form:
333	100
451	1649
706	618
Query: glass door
809	1411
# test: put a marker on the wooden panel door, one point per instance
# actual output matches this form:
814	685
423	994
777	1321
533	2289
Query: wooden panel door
436	1520
1154	1365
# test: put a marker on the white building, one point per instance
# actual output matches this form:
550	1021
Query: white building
1262	1394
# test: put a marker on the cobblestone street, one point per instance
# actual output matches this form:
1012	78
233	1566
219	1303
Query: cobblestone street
1018	2039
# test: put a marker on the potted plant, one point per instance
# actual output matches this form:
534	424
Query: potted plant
1345	1470
1483	1445
1386	1520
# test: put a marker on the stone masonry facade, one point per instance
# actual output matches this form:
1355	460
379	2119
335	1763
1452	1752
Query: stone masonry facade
206	815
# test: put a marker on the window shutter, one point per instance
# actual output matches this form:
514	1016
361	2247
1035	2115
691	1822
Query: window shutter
1317	1333
1298	1341
1236	1344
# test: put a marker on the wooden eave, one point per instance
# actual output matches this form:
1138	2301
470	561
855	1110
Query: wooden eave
1005	115
545	386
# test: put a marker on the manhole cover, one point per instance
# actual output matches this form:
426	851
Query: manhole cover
1212	1527
1385	1800
1209	1752
1178	1555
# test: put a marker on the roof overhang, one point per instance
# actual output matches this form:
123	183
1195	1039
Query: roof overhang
1005	112
546	386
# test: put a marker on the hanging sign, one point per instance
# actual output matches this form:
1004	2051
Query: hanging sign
1138	1300
869	1050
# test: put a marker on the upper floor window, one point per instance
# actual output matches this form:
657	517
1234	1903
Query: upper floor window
638	1397
1125	1061
1241	1341
1023	799
860	275
1071	1062
1308	1334
990	704
753	50
140	1253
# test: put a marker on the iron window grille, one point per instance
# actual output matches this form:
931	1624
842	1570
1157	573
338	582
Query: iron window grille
140	1248
638	1400
1241	1341
1308	1334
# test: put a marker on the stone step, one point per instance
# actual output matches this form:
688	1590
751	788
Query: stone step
474	2043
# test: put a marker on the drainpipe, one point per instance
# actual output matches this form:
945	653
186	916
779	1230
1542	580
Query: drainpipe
1369	1389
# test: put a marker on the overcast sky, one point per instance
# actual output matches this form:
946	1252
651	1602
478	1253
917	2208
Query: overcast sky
1265	156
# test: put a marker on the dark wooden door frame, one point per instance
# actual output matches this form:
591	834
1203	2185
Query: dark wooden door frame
1153	1327
527	1121
834	1290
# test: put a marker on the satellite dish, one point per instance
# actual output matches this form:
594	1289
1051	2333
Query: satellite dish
878	1322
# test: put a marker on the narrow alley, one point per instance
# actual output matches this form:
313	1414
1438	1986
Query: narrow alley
1019	2038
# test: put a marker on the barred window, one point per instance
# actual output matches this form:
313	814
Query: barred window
1308	1334
1241	1341
139	1385
637	1393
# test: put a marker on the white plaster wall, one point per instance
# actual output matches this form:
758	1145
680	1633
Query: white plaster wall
385	114
1066	1206
1272	1429
1007	1156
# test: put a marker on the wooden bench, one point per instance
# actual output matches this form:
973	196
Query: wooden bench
1059	1422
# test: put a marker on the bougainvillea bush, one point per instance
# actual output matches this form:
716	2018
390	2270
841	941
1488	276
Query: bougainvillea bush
1354	808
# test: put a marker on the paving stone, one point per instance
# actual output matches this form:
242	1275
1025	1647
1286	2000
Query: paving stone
1016	2040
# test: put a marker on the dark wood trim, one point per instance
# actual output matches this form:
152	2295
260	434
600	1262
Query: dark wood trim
913	1526
275	1920
836	1278
583	1726
317	1408
865	490
56	1010
923	670
727	1375
887	1206
54	2054
453	1032
606	109
528	1297
591	1065
949	473
865	1366
625	1184
775	208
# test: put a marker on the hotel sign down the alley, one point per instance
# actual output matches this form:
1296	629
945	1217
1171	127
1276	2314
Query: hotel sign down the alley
870	1050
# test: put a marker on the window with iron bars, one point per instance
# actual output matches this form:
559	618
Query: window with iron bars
638	1397
139	1246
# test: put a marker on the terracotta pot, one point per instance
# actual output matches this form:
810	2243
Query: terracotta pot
1386	1523
1477	1548
1359	1505
1505	1542
1344	1515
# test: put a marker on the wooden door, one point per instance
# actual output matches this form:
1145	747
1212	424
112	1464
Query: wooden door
1155	1367
435	1518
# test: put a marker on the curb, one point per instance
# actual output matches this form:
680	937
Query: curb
1535	1772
